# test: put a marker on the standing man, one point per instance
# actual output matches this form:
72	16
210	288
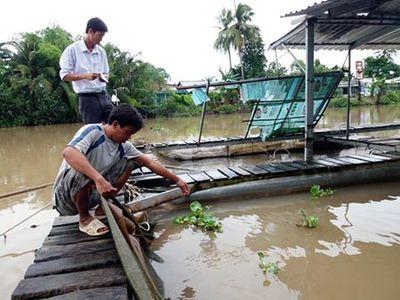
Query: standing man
85	64
98	161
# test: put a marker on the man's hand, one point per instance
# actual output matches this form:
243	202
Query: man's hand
104	187
91	76
183	186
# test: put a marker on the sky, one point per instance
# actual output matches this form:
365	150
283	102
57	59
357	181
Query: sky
177	35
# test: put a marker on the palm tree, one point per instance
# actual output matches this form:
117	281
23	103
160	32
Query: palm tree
223	41
238	33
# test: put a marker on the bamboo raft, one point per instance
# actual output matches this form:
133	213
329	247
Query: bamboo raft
71	265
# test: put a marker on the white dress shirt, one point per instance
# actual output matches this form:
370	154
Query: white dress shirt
76	59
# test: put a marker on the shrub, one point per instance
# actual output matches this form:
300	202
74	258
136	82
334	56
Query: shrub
391	98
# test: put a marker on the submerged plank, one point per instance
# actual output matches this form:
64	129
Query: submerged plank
113	292
76	263
52	285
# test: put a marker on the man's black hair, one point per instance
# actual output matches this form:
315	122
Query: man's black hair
97	25
126	115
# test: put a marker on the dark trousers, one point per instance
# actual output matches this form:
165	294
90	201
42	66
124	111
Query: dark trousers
95	107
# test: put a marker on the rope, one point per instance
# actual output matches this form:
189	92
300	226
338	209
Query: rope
26	219
26	190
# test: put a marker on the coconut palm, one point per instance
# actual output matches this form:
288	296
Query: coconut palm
236	34
223	41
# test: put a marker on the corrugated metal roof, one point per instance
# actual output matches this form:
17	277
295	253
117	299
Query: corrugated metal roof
340	24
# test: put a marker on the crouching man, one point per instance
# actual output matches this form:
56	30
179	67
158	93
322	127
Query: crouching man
98	161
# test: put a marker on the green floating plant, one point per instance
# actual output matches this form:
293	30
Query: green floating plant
200	218
308	221
267	267
317	192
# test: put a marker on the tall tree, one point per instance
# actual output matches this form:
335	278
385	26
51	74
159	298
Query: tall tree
379	69
254	61
224	41
240	31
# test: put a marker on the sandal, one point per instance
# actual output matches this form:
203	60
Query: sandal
93	228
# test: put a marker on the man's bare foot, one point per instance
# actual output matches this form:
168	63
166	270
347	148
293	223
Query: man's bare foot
99	212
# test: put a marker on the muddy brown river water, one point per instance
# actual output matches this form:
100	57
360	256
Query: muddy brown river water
354	254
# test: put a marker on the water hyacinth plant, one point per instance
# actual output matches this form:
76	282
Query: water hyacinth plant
308	221
200	218
317	192
267	267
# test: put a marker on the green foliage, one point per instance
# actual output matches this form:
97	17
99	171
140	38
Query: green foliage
254	61
391	98
32	93
317	192
267	267
226	109
275	69
308	221
200	218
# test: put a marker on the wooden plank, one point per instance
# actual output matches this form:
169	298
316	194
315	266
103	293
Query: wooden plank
54	252
215	175
336	160
67	229
310	165
284	167
271	169
66	220
186	178
352	160
296	165
72	238
190	142
52	285
239	171
254	170
148	181
113	292
325	163
367	158
74	264
229	173
137	277
199	177
387	155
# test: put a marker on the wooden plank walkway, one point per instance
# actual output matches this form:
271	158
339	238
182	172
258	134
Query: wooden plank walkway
231	175
73	265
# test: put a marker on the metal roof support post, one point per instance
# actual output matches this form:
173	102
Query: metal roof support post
203	112
309	91
348	97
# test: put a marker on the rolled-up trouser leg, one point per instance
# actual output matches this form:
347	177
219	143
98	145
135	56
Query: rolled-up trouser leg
74	181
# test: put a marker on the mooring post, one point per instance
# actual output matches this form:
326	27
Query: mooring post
203	113
348	96
309	91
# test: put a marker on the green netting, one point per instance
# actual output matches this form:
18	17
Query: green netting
279	106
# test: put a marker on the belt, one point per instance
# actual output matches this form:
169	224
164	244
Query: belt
92	94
